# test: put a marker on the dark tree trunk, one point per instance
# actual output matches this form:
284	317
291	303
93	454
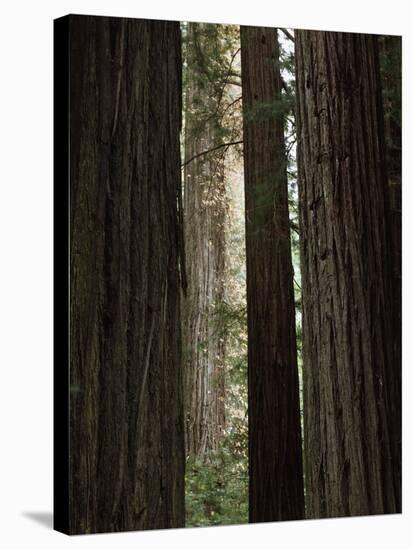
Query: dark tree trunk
126	406
350	388
391	65
205	209
275	454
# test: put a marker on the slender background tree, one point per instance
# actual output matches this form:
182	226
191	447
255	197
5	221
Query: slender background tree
275	453
205	213
214	308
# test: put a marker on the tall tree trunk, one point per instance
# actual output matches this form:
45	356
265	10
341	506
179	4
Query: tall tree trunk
205	217
391	65
126	405
349	369
275	453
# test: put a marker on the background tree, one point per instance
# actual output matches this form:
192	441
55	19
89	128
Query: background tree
350	374
214	320
126	407
275	454
205	211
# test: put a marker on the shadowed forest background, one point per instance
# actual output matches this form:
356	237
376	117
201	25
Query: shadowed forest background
235	274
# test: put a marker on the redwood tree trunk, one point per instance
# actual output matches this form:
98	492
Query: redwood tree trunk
275	454
205	212
126	406
350	374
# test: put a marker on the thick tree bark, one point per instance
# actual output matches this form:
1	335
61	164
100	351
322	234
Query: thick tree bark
205	217
275	453
350	375
126	405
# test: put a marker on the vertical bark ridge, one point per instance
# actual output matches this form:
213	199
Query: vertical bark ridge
126	417
205	213
346	284
275	453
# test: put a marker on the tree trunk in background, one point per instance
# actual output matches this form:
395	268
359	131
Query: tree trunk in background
205	217
351	466
275	453
126	413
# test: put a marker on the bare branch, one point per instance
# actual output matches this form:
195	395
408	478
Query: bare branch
202	153
287	34
231	105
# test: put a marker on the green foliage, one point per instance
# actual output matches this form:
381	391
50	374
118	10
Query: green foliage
211	66
217	488
265	111
217	485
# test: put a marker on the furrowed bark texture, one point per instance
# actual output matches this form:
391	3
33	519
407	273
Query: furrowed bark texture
126	405
350	375
275	453
205	210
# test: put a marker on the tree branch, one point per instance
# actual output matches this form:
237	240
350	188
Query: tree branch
231	105
202	153
287	34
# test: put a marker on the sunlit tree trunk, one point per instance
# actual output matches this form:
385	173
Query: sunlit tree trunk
275	453
126	404
350	373
205	209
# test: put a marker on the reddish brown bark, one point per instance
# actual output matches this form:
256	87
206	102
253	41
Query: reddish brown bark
350	373
126	405
275	454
